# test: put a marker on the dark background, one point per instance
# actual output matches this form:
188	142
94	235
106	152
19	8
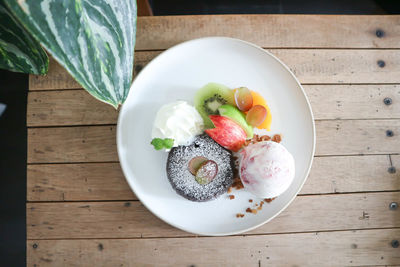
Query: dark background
14	86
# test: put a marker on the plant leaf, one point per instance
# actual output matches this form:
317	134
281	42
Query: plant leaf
92	39
19	51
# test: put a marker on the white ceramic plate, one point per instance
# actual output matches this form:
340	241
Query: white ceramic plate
176	74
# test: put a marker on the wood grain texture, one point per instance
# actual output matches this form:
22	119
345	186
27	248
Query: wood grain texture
342	66
353	101
73	182
69	107
347	248
352	174
341	212
105	181
72	144
294	31
97	143
351	137
58	77
131	219
77	107
309	65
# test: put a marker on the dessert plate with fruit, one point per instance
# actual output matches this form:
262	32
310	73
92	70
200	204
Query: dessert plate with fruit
216	136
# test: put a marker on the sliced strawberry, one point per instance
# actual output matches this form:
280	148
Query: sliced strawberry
227	133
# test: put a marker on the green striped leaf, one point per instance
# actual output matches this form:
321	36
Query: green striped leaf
92	39
19	51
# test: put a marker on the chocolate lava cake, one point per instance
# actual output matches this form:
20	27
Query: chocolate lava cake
184	182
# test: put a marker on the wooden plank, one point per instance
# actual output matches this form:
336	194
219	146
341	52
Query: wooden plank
77	107
105	181
323	31
346	137
72	182
69	107
97	143
322	66
352	174
66	220
354	101
348	248
395	162
342	66
72	144
58	77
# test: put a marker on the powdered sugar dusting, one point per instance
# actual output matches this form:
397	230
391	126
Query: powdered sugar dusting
184	182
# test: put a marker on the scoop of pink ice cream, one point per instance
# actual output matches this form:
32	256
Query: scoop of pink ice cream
266	169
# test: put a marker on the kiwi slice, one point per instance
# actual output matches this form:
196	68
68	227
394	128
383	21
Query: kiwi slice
209	98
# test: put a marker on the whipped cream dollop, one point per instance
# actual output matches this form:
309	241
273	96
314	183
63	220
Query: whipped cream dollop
179	121
266	169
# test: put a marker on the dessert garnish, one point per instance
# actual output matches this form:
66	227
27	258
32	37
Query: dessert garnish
205	142
237	116
209	98
178	121
227	133
207	171
195	163
243	98
160	143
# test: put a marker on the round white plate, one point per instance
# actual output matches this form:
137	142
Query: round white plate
176	74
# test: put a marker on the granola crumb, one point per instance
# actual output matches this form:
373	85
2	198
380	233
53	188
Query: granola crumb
250	200
277	138
268	200
239	215
237	183
239	186
229	189
256	138
265	138
249	210
261	205
231	196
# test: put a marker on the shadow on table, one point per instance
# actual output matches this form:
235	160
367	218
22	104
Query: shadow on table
359	7
13	93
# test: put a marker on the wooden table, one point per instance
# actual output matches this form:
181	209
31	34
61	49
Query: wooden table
80	210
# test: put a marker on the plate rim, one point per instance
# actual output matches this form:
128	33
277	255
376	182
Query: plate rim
310	160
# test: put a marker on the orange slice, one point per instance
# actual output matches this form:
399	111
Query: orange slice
259	100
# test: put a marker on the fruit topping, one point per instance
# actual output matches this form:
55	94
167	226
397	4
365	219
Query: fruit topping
243	98
237	116
207	171
227	133
209	98
259	100
256	115
195	163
